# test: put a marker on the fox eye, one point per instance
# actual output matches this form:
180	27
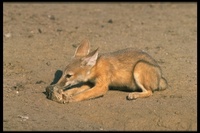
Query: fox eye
68	75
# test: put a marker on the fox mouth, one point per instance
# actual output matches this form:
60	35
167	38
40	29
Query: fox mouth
67	86
70	84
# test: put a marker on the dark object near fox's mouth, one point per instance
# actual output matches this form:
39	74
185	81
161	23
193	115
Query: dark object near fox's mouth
55	93
49	91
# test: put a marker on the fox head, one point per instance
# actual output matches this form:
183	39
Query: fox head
79	68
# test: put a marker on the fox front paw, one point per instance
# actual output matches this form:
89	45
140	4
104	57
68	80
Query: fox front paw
66	98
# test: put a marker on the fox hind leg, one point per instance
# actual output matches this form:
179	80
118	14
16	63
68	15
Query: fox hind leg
135	95
147	78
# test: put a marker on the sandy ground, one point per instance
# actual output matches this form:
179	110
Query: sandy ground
39	40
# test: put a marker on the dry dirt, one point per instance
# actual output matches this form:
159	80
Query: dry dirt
40	38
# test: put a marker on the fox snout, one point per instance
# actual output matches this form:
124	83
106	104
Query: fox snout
63	82
67	81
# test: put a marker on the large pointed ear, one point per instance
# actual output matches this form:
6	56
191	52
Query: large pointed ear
90	59
83	49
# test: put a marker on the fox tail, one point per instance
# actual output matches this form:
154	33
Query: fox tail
163	84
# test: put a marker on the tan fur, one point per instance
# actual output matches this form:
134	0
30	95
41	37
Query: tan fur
130	68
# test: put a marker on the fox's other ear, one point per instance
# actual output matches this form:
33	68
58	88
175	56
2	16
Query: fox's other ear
90	59
83	49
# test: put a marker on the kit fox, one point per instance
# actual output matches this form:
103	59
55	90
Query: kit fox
130	68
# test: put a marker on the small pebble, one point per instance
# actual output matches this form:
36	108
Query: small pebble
8	35
110	21
51	17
